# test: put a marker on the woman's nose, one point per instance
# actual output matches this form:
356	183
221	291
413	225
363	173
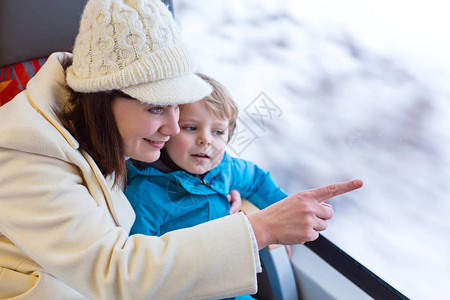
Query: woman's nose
170	126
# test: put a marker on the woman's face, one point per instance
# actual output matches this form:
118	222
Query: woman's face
145	128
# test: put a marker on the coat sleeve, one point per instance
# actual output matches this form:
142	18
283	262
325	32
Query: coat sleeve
254	184
48	213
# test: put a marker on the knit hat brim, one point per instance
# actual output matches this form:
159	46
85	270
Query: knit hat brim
177	90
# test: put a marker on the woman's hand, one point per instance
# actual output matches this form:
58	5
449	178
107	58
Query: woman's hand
298	218
234	197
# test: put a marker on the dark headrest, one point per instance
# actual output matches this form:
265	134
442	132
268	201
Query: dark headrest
36	28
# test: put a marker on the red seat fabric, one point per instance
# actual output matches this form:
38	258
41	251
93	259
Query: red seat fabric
14	78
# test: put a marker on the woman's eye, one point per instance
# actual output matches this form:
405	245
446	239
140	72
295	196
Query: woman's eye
157	110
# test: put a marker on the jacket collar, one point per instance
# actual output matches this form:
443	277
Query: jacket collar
216	180
45	92
164	164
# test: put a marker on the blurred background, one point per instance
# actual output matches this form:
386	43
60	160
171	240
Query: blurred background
330	91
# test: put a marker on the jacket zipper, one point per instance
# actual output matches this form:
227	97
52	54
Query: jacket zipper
204	182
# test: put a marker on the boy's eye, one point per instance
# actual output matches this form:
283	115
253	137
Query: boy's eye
189	128
218	132
157	110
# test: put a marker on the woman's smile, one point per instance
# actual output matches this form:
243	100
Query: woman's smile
155	144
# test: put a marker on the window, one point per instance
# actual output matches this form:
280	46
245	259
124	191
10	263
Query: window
330	91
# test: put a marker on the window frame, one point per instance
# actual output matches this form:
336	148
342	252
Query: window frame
353	270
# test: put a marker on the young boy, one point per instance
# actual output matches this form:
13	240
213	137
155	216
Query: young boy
190	182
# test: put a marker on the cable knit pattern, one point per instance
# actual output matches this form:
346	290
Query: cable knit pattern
134	45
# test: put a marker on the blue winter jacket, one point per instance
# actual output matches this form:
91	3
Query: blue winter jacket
168	201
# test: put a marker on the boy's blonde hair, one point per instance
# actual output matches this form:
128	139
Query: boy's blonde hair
221	104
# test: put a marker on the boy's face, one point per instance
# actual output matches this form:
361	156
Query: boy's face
200	145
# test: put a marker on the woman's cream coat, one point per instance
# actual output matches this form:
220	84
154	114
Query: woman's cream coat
64	232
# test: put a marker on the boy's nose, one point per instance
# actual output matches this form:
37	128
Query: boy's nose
203	141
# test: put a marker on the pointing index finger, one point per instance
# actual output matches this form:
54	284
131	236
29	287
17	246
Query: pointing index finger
329	191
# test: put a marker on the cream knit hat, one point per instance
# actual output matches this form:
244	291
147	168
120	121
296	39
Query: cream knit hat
134	46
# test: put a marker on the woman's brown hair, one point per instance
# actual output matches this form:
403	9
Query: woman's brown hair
89	118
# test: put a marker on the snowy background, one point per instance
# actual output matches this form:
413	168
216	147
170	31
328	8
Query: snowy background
352	89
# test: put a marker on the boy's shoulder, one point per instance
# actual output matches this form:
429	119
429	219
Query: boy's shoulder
231	165
235	161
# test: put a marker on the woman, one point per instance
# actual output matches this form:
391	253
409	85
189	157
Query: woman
64	221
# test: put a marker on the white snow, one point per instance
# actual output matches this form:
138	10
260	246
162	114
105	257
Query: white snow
359	89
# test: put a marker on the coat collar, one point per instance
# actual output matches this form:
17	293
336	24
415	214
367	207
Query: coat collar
215	181
45	92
